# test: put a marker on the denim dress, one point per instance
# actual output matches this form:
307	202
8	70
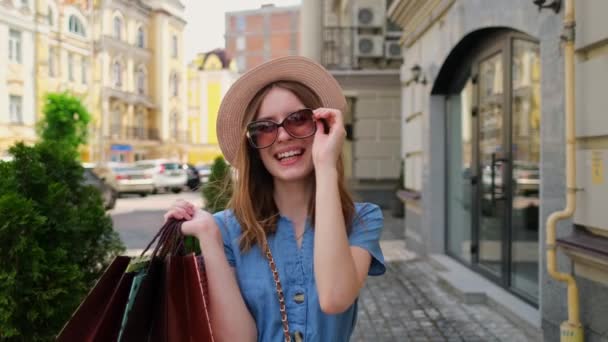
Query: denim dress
296	272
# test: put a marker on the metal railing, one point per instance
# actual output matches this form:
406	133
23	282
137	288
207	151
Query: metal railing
338	48
133	132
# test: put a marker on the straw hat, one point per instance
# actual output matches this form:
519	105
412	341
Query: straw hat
293	68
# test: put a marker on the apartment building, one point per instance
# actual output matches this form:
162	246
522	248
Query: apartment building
210	75
139	80
124	59
256	36
18	31
356	42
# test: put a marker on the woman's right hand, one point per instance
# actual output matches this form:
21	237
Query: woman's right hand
197	222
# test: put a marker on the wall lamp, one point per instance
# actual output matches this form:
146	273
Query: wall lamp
417	76
555	5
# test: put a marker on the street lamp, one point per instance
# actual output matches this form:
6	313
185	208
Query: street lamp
417	75
555	5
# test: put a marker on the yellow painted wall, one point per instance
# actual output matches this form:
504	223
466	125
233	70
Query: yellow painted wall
214	97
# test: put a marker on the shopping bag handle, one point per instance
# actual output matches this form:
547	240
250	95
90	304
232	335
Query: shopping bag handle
169	240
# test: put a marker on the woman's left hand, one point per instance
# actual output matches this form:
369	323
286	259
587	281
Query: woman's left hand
326	148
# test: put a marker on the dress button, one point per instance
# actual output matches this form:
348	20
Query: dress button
299	298
298	336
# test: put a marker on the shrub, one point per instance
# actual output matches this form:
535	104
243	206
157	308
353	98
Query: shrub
55	235
217	192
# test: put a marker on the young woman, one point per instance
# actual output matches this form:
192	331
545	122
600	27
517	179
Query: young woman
288	258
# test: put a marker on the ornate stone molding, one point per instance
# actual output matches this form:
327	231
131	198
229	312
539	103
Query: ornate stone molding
416	16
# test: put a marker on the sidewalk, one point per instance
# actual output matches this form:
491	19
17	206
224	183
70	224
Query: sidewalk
407	303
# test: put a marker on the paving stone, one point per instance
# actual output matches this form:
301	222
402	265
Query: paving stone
407	304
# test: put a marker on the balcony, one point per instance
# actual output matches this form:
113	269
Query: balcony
133	133
349	48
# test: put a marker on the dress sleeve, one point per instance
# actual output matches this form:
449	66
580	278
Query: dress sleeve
223	221
366	231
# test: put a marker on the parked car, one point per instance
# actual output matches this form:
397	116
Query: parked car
194	181
204	171
127	178
108	193
167	175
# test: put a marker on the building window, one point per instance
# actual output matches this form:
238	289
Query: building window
140	38
116	123
140	124
15	103
240	23
14	46
49	17
174	125
241	63
174	49
70	67
140	80
117	28
52	62
83	71
174	84
117	74
76	26
240	43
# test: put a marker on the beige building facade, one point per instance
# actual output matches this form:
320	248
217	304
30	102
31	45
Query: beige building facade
354	40
18	102
139	81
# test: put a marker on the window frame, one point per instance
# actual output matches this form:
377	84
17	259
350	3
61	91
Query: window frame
15	46
15	105
75	26
140	40
70	67
117	27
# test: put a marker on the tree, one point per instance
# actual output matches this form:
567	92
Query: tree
55	235
65	121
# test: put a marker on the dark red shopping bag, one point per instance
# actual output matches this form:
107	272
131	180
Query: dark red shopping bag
186	315
101	304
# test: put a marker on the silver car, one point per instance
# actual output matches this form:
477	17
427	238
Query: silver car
167	175
128	179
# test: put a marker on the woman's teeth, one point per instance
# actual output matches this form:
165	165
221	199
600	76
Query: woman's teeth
289	154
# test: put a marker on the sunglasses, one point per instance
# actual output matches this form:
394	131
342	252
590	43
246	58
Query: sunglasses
299	124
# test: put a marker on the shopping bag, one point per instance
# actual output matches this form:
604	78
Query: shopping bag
85	323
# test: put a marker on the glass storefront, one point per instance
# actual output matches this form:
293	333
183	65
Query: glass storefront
493	134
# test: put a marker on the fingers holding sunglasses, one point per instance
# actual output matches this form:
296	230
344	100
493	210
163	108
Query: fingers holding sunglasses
333	117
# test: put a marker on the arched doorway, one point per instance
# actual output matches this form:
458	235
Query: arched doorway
491	83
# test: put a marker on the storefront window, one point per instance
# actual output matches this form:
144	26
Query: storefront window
459	148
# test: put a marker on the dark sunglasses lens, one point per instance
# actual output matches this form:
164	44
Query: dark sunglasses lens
300	124
262	133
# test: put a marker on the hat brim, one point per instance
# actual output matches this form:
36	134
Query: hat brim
293	68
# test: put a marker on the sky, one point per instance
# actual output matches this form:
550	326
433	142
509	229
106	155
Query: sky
206	21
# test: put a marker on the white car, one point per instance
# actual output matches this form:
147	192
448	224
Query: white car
167	174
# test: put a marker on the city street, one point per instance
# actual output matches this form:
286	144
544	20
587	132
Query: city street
406	304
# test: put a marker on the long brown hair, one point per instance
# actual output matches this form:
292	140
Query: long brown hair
252	200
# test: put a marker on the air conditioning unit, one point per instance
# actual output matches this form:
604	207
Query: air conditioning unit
369	45
392	50
369	13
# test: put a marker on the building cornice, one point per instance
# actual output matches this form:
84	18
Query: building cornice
107	43
128	97
17	21
417	16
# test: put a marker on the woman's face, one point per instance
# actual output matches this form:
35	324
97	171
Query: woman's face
288	158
